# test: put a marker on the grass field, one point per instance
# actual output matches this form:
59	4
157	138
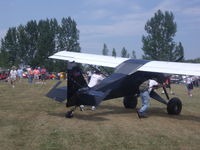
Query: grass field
31	121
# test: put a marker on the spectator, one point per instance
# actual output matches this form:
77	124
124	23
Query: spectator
36	75
94	80
20	73
30	75
13	76
167	84
89	74
43	75
189	84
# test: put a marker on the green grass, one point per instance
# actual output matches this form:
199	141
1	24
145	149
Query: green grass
29	120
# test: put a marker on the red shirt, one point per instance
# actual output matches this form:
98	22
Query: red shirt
43	71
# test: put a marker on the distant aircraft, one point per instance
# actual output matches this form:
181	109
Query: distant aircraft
124	82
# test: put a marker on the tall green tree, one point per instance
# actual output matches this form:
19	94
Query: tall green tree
158	44
31	29
133	55
179	52
45	43
124	53
4	55
22	45
68	36
33	43
105	49
114	53
10	46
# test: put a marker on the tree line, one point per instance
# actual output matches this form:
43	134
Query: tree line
124	52
158	44
33	43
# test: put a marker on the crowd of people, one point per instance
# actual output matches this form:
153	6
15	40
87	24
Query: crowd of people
36	75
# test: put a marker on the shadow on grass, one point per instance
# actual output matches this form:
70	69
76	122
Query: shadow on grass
97	115
62	115
161	112
105	110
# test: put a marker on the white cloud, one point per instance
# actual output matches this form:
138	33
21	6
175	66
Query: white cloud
118	22
121	28
184	7
195	11
103	2
169	5
187	13
100	13
89	46
128	23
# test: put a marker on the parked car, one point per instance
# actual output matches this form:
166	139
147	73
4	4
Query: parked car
176	79
4	75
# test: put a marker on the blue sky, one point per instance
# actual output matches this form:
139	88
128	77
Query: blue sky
118	23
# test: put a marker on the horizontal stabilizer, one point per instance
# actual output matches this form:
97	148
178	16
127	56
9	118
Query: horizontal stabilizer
92	97
58	94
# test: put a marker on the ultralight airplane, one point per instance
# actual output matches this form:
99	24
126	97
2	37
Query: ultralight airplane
124	82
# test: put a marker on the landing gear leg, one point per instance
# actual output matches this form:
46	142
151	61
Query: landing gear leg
69	114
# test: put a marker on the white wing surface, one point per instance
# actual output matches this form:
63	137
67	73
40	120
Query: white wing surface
93	59
172	68
110	61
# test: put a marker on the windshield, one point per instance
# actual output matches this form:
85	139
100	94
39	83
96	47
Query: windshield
129	66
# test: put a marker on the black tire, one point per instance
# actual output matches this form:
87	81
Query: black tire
69	114
130	102
174	106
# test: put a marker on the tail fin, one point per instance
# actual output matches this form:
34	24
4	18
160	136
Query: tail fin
75	81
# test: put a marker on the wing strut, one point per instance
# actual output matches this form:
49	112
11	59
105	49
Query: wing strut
157	97
166	94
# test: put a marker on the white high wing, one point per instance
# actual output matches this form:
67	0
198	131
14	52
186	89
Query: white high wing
110	61
92	59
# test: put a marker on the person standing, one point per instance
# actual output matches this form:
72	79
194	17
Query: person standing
20	73
36	73
95	79
145	89
13	76
189	85
89	74
43	75
30	75
167	84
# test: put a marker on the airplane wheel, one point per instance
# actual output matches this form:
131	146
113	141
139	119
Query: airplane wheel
69	114
130	102
174	106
